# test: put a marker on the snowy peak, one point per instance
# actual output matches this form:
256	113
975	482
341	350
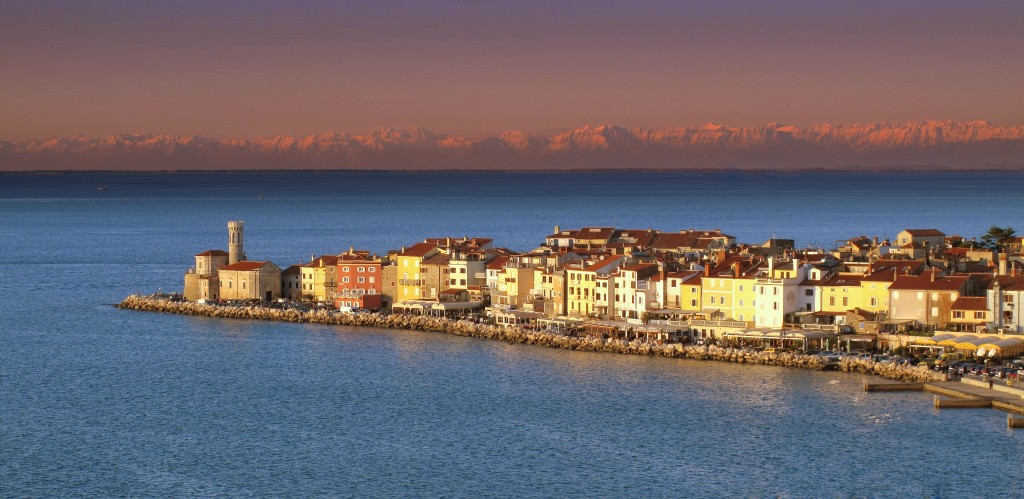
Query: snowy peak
957	144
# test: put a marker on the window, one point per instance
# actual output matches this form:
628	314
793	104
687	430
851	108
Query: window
693	303
372	269
958	314
243	284
344	279
979	315
831	300
920	295
344	269
775	306
846	301
935	296
361	279
1008	298
808	292
874	302
361	269
896	295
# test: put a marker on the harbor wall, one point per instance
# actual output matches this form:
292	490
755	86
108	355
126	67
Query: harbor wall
517	335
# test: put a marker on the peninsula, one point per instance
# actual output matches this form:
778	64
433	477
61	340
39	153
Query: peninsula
692	293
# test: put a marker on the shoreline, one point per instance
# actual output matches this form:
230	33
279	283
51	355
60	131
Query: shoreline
516	335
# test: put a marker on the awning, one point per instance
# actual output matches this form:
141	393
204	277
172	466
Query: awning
935	339
1006	347
456	305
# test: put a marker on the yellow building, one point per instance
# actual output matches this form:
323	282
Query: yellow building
729	290
582	284
682	291
840	293
319	278
408	263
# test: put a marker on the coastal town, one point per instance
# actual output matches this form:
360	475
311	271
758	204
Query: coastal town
923	293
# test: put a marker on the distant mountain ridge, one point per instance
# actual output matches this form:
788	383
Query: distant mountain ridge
964	145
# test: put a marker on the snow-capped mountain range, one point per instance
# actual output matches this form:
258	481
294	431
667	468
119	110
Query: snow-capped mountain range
963	145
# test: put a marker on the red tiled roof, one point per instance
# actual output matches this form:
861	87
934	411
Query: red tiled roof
213	253
924	282
970	303
498	262
603	263
418	249
840	280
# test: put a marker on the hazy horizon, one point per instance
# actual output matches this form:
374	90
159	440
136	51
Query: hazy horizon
476	68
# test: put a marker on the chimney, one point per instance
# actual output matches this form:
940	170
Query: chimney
875	241
707	270
1002	264
933	275
351	250
736	269
771	265
558	229
796	264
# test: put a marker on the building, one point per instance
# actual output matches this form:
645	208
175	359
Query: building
929	241
250	280
408	261
634	293
970	314
320	278
360	281
927	298
291	282
201	281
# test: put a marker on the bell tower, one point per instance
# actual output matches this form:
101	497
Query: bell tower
236	253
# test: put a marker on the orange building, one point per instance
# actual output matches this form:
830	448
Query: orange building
359	281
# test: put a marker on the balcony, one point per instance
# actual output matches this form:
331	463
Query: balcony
409	282
768	280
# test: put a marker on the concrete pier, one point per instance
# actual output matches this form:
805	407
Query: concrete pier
941	403
893	387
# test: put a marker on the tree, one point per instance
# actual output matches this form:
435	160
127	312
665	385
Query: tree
996	236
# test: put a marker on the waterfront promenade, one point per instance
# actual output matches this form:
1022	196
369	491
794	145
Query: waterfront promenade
514	334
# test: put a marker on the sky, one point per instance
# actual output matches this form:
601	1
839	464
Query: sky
478	67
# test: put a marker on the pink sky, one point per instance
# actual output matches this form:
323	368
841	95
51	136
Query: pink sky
247	69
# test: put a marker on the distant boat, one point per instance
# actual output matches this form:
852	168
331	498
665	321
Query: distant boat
101	188
261	195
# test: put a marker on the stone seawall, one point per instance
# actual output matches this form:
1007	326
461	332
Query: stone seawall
515	335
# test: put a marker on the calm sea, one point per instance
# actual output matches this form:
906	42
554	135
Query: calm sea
100	402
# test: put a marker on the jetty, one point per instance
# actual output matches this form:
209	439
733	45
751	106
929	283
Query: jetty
967	393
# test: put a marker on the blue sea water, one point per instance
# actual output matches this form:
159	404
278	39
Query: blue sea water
101	402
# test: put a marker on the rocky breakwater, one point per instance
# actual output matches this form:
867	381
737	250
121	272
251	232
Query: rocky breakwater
900	372
511	335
